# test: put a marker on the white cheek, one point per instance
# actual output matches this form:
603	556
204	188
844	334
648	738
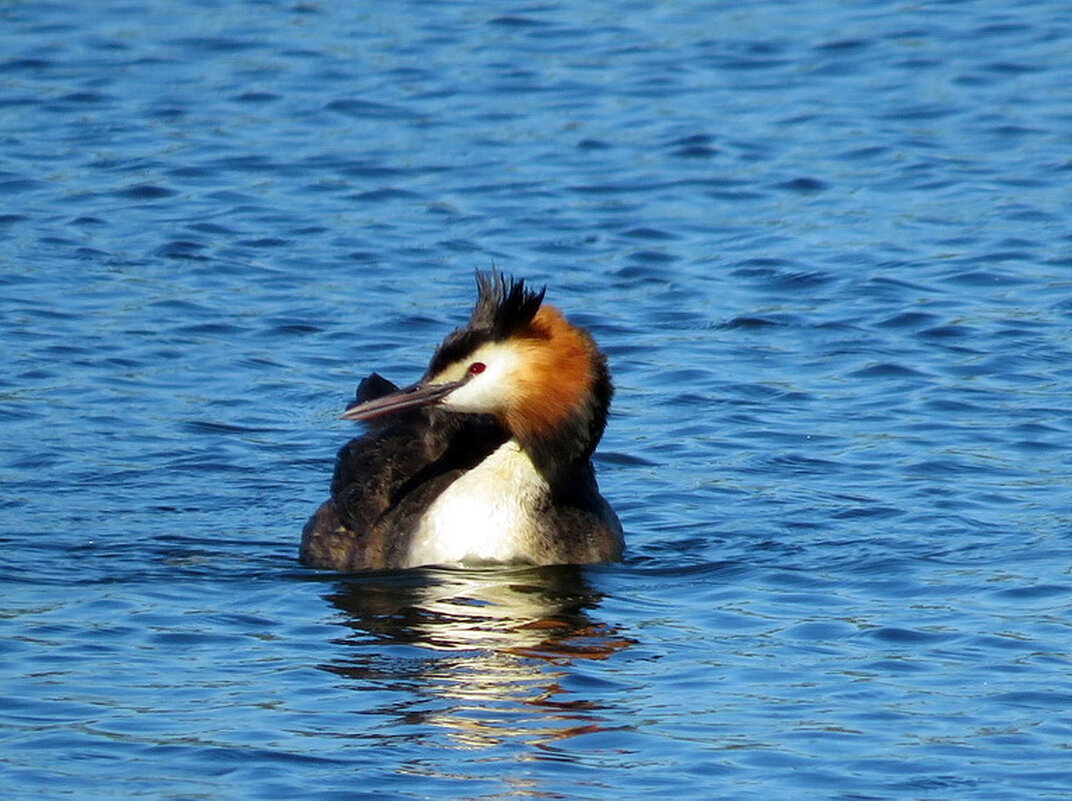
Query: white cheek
476	396
488	391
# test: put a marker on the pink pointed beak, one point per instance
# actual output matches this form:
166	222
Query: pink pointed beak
409	398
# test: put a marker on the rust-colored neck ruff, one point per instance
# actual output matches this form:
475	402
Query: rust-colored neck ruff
559	409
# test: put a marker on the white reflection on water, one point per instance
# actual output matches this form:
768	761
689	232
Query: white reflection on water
479	656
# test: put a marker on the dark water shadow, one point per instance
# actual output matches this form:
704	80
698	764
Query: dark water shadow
482	656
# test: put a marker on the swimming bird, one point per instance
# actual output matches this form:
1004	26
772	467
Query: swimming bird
486	459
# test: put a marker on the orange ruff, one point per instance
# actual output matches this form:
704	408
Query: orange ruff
557	374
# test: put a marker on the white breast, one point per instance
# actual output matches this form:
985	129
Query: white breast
484	516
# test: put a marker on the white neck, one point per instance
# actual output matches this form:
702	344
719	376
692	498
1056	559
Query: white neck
487	515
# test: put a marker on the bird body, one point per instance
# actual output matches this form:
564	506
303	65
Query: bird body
486	459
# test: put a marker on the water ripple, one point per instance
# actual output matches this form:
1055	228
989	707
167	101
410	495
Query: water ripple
823	250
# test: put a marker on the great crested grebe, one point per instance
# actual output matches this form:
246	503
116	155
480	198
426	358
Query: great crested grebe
486	459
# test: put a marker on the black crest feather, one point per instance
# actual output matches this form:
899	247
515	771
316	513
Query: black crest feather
503	306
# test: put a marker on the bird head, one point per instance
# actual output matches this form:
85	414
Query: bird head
517	360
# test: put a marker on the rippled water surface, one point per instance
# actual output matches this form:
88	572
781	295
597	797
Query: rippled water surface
826	247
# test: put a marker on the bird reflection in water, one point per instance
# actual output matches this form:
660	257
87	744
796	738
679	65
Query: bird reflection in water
490	647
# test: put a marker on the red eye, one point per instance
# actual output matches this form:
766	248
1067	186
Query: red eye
476	368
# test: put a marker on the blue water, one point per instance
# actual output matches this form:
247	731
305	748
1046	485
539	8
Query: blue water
826	246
